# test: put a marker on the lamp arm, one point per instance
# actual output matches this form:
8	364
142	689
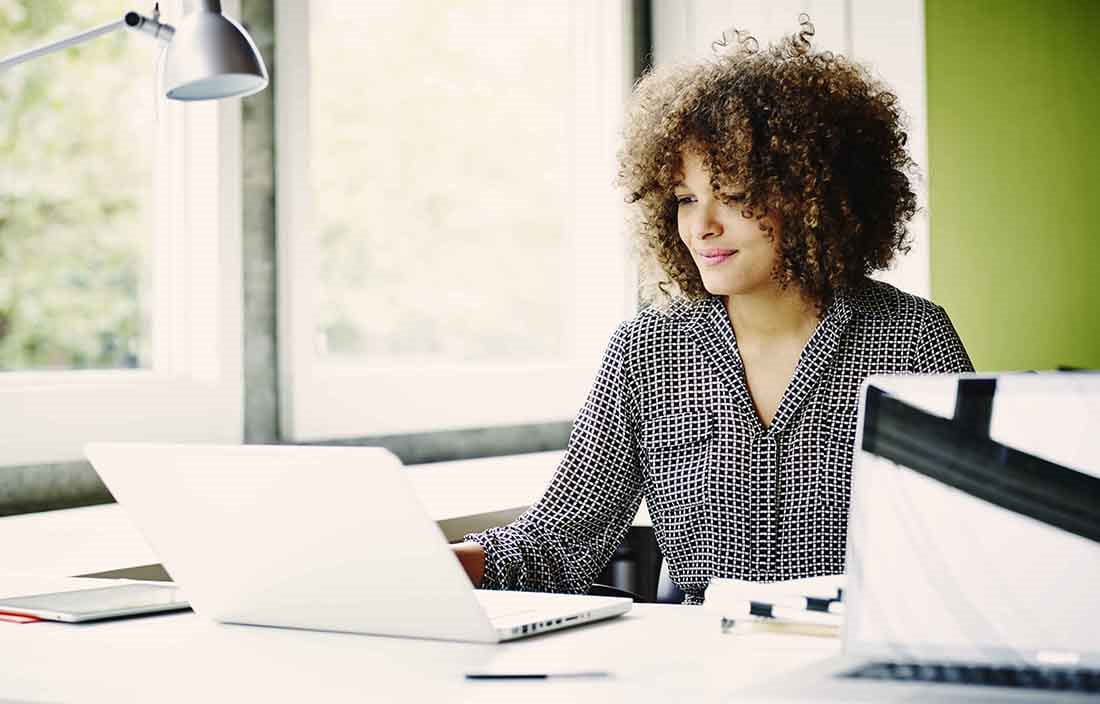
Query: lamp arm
132	20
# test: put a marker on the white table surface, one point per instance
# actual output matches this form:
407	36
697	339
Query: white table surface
462	496
656	653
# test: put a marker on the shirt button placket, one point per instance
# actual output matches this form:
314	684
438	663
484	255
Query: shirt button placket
765	469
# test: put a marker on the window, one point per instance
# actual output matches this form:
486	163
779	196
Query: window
75	195
452	249
119	244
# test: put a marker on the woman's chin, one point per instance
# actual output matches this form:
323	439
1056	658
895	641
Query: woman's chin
722	287
725	287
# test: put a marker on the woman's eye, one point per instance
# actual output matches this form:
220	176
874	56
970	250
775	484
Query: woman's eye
733	197
684	200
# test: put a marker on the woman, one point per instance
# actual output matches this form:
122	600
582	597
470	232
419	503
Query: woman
770	184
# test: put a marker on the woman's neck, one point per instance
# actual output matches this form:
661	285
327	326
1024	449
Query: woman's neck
771	315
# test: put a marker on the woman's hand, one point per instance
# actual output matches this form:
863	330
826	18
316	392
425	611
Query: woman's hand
472	558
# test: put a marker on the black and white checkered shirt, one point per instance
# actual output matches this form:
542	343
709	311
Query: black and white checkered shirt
670	418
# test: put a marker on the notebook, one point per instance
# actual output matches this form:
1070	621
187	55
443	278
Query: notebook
810	606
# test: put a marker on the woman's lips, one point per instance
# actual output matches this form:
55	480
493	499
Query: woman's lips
714	257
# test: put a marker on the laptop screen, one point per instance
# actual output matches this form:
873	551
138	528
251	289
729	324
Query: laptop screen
974	530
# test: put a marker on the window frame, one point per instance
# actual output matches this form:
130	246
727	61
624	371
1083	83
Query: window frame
193	390
320	402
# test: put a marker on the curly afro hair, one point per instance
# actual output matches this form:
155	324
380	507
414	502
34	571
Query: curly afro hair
809	137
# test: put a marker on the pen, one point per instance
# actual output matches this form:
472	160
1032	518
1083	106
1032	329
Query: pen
531	675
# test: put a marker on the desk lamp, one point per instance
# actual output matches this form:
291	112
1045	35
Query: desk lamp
208	57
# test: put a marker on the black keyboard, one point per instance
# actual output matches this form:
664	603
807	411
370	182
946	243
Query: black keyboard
1059	679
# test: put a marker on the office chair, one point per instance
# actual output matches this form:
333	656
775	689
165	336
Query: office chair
667	590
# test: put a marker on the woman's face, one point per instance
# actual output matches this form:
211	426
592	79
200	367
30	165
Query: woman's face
734	255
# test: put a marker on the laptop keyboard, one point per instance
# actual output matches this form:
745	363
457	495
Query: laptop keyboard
1060	679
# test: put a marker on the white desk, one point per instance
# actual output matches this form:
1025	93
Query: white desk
661	654
666	654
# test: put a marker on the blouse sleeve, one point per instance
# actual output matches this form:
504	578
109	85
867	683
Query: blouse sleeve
938	348
563	541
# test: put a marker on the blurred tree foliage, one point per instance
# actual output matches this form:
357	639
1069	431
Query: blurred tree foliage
75	183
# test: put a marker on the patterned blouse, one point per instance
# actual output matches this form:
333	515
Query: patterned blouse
669	417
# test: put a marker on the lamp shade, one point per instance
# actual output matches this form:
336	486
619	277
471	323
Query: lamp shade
211	57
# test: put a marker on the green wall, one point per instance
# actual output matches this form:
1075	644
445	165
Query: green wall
1014	167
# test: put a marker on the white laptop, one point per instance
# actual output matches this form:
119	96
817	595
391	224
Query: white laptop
973	545
328	538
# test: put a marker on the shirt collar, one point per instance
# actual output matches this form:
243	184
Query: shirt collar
713	332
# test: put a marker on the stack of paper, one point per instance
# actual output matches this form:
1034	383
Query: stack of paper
812	606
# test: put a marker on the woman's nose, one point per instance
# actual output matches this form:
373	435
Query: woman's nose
706	223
